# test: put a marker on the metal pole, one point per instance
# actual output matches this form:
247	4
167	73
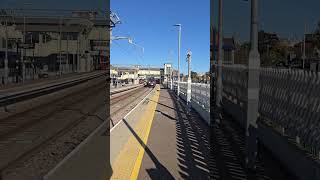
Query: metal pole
212	71
100	53
304	46
32	57
78	53
220	59
179	46
68	68
60	73
24	50
17	63
6	56
73	62
253	89
167	80
220	55
33	65
189	79
171	77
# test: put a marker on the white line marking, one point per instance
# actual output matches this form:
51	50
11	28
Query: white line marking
131	111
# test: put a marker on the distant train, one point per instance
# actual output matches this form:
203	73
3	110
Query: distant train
151	82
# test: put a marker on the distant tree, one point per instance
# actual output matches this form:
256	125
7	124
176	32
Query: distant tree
317	31
194	74
274	56
317	35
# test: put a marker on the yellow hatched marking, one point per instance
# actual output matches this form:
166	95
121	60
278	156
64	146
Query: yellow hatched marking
127	165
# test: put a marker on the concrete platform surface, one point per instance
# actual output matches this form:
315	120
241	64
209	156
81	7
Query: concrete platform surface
178	144
129	136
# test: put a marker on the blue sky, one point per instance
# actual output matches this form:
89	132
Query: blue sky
285	17
150	24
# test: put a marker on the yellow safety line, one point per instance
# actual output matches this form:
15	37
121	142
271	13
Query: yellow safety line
127	165
150	114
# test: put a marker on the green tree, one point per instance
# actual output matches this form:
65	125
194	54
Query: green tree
317	35
274	56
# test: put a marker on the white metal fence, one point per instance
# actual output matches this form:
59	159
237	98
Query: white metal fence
289	99
200	97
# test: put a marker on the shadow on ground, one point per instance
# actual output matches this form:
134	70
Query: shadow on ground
192	142
160	170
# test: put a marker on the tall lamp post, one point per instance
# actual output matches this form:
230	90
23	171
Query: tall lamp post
24	52
179	46
219	62
212	52
253	89
6	69
60	44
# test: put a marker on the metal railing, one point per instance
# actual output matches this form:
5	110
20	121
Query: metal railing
200	93
289	101
200	97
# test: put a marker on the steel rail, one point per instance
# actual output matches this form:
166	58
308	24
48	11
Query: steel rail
29	94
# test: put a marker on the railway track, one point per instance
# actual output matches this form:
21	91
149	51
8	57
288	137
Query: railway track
20	121
115	99
23	133
132	96
27	132
118	105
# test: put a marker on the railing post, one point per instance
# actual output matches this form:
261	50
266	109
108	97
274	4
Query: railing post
208	94
196	91
253	90
171	79
189	79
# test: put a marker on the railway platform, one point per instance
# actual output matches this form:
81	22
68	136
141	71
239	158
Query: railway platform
161	139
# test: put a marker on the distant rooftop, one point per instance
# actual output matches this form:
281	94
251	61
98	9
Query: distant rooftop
132	66
92	14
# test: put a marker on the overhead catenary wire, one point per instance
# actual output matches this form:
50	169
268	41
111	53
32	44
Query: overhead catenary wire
126	50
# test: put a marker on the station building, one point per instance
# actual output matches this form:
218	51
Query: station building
134	73
75	42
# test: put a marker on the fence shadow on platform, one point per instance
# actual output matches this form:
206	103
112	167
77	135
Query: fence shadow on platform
175	109
192	143
166	115
160	172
